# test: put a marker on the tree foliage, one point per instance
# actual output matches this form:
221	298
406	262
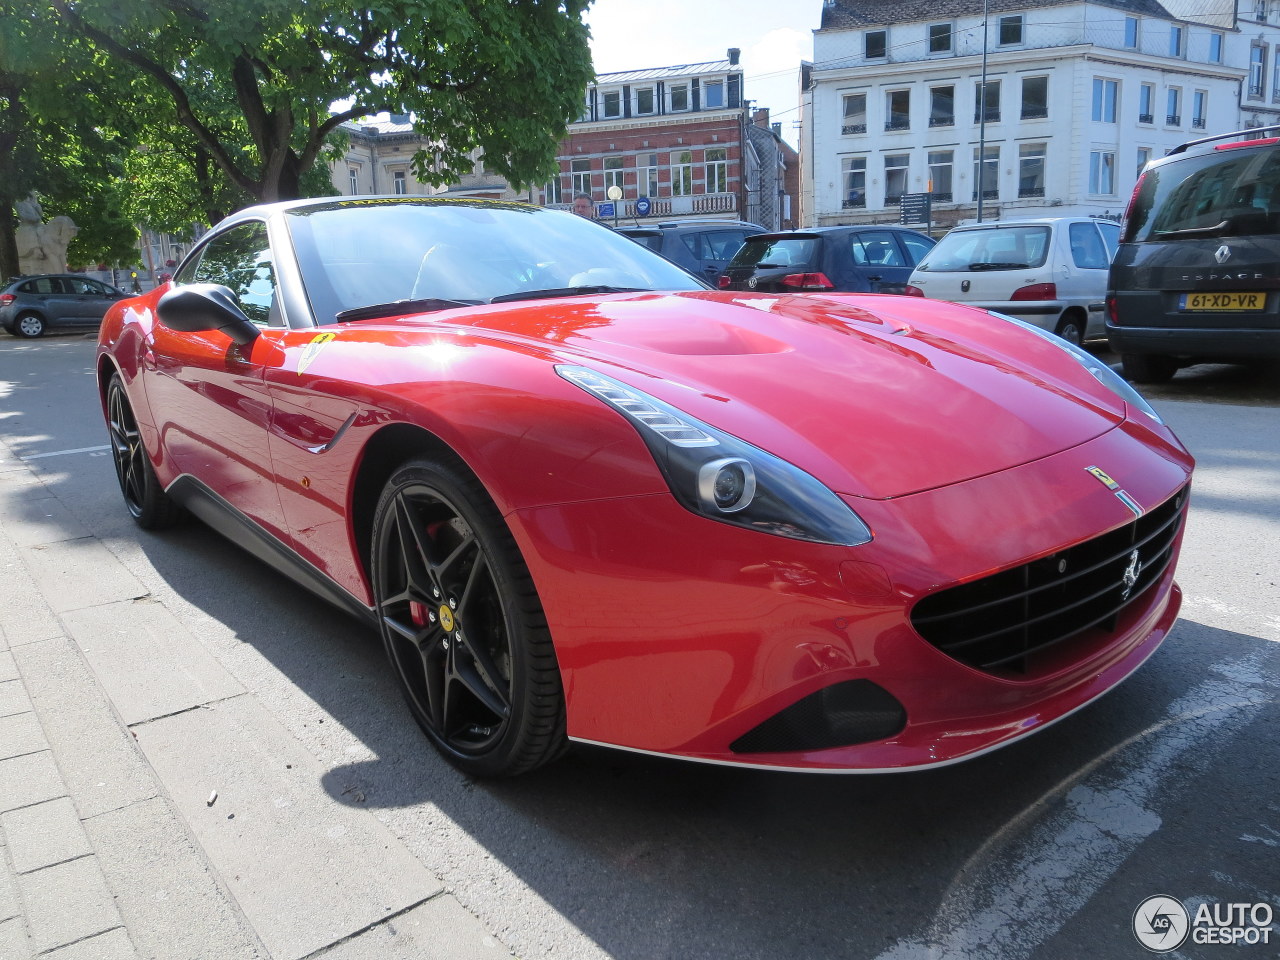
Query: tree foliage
250	82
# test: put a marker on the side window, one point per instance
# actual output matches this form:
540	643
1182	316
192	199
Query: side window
1110	236
693	243
240	259
916	248
877	247
1087	249
724	244
79	287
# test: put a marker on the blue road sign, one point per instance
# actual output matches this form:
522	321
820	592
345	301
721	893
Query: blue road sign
604	210
642	207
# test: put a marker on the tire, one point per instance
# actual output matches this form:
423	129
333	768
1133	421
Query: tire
150	507
1148	368
1071	329
29	325
462	624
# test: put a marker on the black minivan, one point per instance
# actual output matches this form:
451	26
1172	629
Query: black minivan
1196	277
859	259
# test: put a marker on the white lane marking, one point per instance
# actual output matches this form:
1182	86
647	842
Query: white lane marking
64	453
1035	873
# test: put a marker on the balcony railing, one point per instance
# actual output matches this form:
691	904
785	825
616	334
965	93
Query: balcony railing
942	121
851	202
941	196
897	125
987	195
1035	113
1197	123
1146	118
1255	91
993	116
851	128
1173	119
1031	191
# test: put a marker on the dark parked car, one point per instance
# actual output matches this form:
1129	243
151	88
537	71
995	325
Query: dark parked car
1197	274
870	259
703	247
31	305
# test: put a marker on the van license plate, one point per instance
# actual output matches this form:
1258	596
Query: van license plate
1222	301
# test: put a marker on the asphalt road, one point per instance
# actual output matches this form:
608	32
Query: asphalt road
1169	785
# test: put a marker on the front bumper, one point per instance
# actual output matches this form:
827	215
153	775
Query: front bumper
679	636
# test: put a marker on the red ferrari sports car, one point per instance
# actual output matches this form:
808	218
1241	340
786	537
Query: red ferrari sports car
585	498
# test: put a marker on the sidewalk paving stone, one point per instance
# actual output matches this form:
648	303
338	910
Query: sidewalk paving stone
66	903
112	945
149	664
74	574
9	904
21	734
44	834
13	698
13	939
8	668
24	616
100	762
29	779
28	521
440	929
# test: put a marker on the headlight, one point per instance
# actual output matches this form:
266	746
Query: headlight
1100	371
716	475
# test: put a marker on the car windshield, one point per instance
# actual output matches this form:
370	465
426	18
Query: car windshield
996	248
775	252
359	253
1228	193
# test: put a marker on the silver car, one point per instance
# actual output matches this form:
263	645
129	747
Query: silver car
31	305
1050	272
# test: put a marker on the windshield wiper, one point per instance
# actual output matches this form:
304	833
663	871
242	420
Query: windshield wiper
999	266
398	307
1216	230
563	292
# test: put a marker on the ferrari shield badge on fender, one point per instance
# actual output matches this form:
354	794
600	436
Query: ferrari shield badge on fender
1122	495
313	350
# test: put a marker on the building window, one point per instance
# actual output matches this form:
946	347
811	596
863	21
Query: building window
612	173
942	106
649	175
678	97
990	98
940	164
1175	40
940	37
1035	98
644	101
876	43
713	94
1010	30
554	192
353	180
1131	33
717	170
1275	77
986	175
1215	48
1031	169
682	174
399	185
855	114
1199	105
897	109
1144	157
895	176
1102	173
854	172
612	103
1105	94
1174	116
1257	70
581	171
1146	103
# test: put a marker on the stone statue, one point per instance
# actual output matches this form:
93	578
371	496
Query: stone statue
42	247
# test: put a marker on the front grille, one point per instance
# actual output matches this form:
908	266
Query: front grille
998	623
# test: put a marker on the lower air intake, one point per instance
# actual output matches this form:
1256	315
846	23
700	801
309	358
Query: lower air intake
853	711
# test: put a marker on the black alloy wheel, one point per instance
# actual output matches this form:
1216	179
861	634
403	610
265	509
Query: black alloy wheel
149	506
462	624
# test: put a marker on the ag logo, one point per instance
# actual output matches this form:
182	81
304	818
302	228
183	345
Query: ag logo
1161	923
313	349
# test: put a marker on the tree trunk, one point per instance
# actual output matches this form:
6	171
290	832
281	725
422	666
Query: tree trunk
8	237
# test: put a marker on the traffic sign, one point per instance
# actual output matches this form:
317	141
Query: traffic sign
604	210
915	208
642	207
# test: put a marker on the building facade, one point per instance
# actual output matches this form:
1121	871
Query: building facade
677	137
1041	108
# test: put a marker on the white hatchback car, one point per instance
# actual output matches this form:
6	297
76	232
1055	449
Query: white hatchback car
1051	272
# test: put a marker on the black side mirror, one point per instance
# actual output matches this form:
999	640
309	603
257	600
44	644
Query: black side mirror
206	306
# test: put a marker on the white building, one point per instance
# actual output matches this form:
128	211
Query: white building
1078	97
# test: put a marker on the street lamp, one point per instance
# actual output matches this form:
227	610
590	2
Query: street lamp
982	114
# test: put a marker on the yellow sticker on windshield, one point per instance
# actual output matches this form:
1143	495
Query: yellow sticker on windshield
313	349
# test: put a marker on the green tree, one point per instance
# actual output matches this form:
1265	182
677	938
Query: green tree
252	81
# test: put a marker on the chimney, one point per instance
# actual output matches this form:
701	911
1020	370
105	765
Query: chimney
760	117
733	56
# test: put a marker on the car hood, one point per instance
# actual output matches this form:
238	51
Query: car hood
877	396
